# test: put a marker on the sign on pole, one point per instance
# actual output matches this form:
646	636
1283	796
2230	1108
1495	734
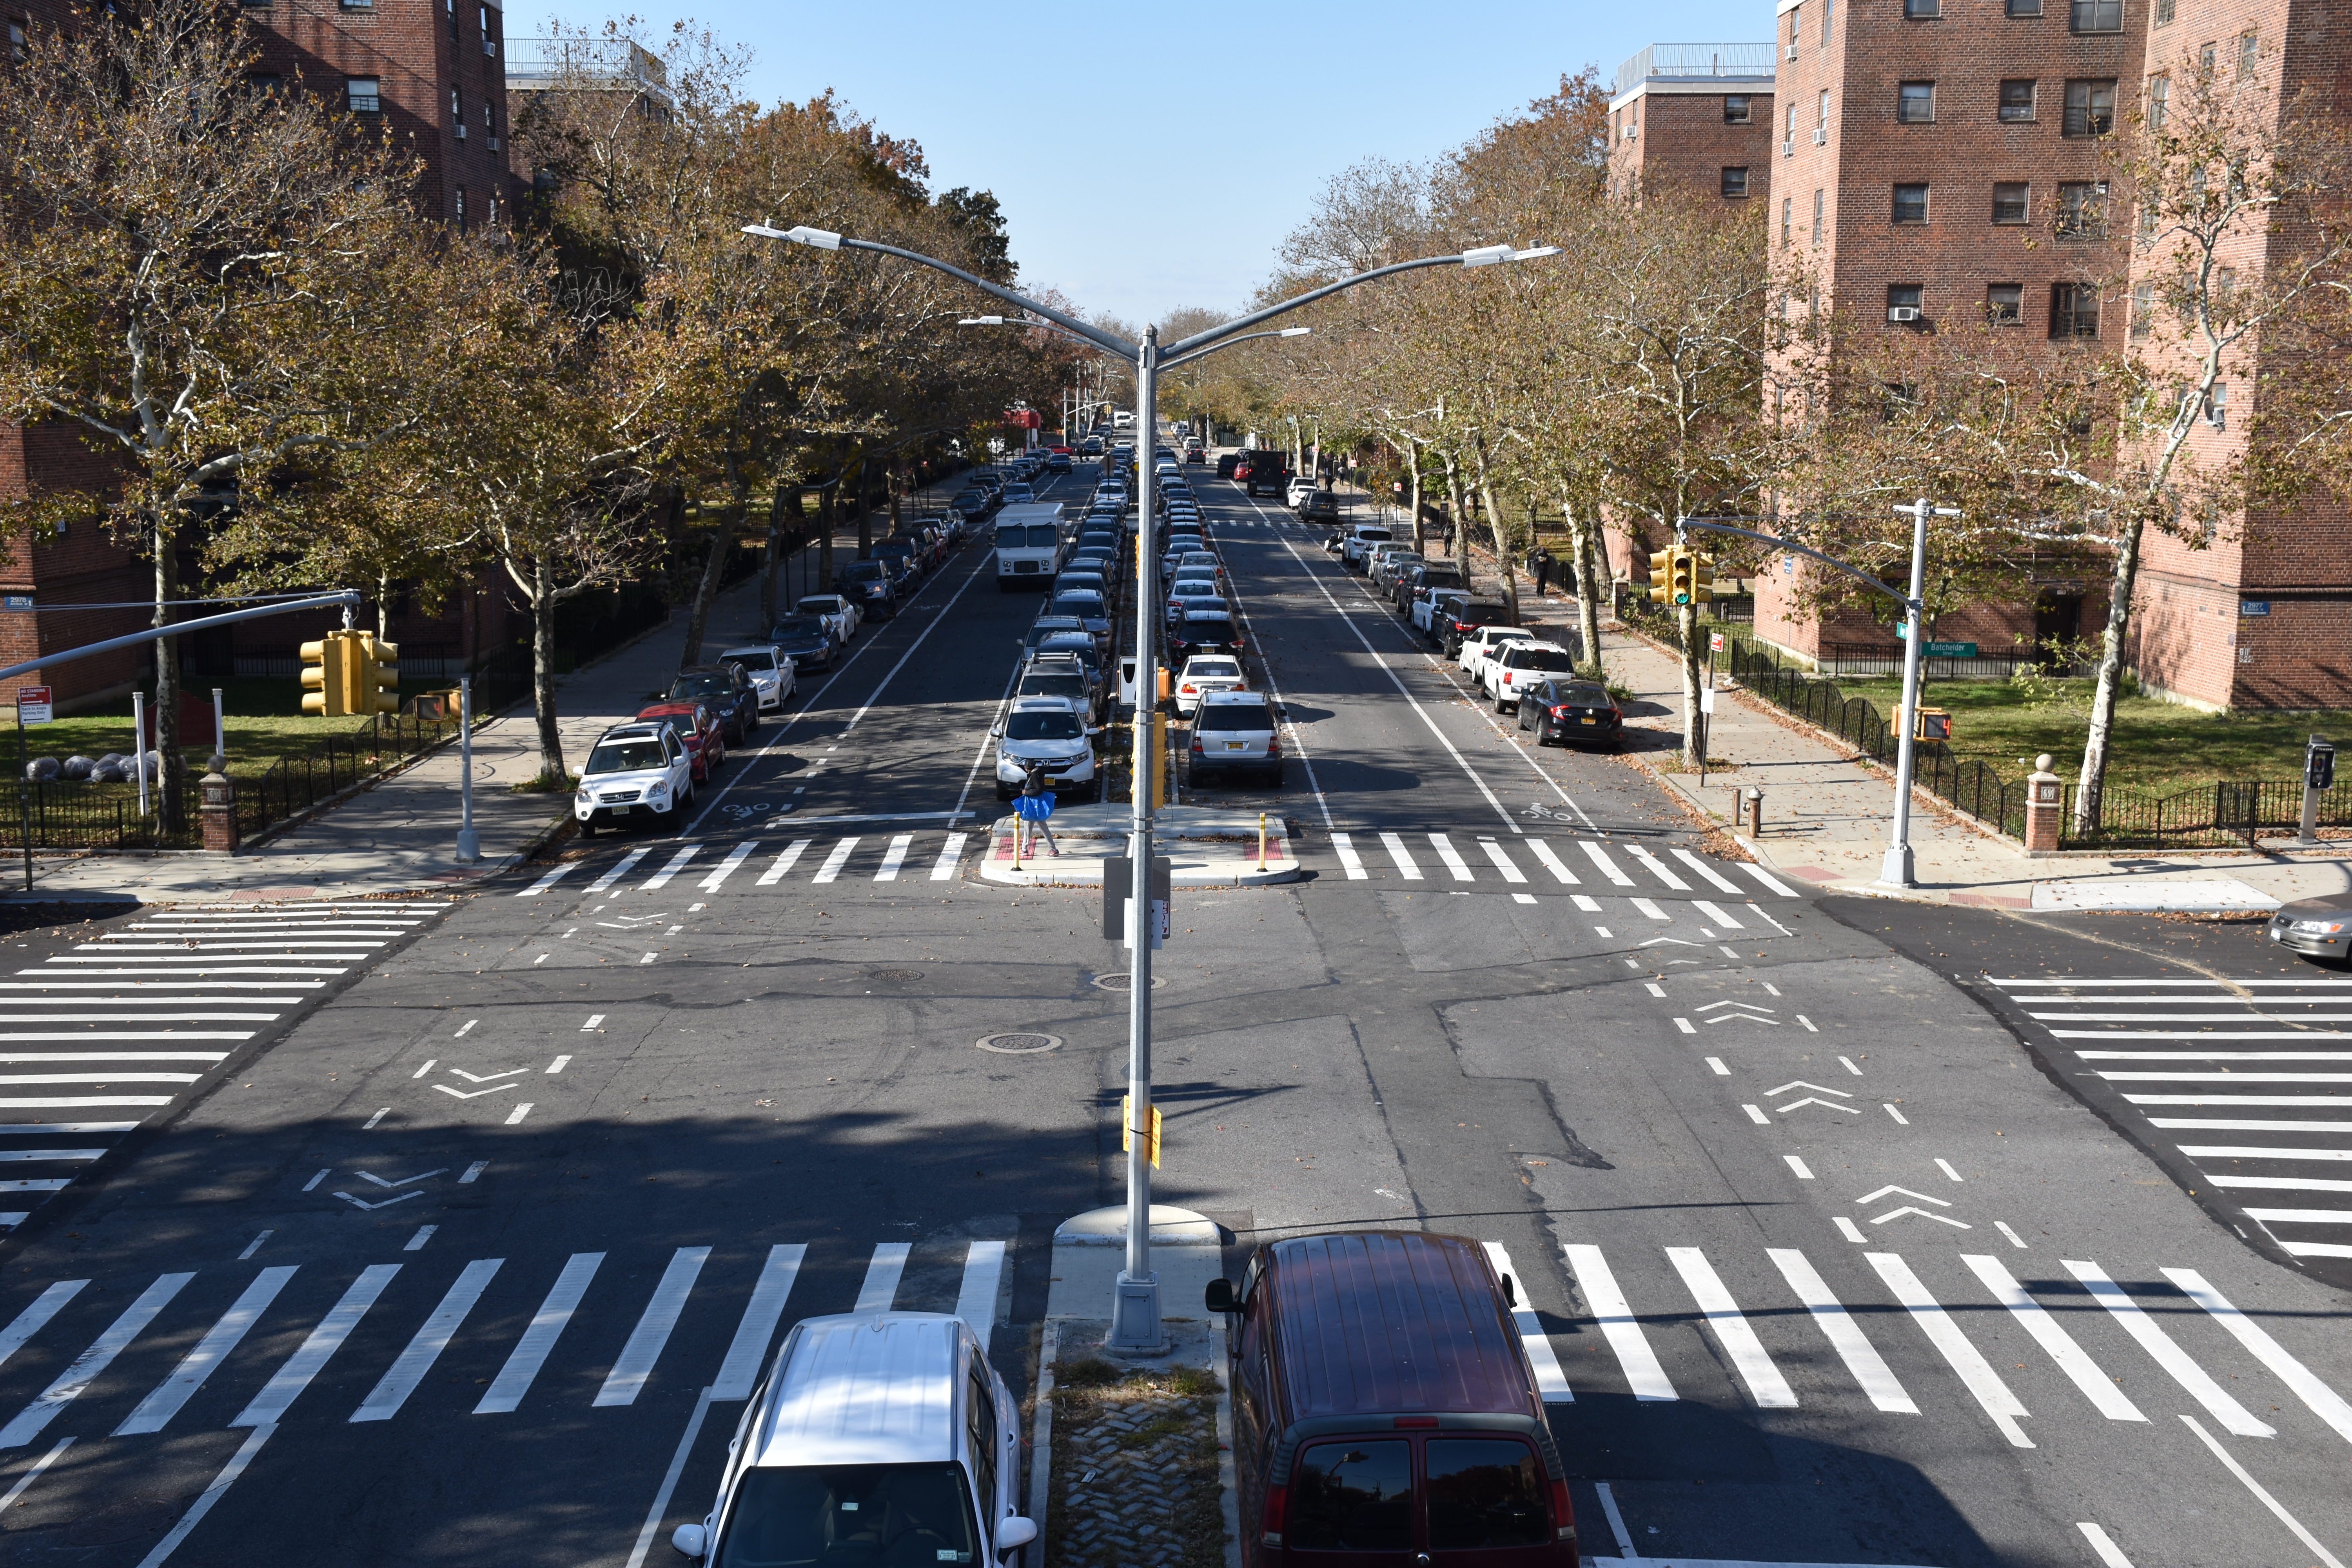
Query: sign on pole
33	705
1715	642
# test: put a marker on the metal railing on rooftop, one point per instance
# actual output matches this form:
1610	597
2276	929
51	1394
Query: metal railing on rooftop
1695	60
545	63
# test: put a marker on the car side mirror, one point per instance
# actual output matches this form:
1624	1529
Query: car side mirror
997	732
1015	1531
1221	1296
689	1540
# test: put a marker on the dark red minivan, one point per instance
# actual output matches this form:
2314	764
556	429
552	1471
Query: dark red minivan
1384	1413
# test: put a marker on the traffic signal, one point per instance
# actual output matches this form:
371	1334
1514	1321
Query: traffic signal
1661	568
375	683
326	687
1681	569
1702	568
1932	724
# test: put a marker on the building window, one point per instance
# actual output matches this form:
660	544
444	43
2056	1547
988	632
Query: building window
1817	218
1736	107
1632	119
2143	317
359	93
451	7
2025	7
2016	102
2164	9
266	84
2004	303
2082	209
461	209
2205	61
456	104
2159	99
489	44
1923	10
1788	140
1735	184
2095	15
2090	107
1915	102
359	5
1903	302
1796	21
2010	203
19	46
2074	311
2250	50
1910	204
1787	216
2225	283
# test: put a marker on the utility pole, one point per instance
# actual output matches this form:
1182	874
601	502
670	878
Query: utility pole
1897	871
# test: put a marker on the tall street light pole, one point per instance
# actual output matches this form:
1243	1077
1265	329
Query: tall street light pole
1135	1310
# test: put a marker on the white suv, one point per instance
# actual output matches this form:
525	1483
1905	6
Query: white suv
884	1438
772	674
633	770
1050	733
1209	672
1481	643
1523	663
837	611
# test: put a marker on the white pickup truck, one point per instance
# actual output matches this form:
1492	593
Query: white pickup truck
1480	645
1425	610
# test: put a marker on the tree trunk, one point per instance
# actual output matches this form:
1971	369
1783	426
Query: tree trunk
826	505
2093	783
1411	456
1454	514
1687	616
865	515
383	606
714	568
1588	589
1501	533
173	772
542	673
768	566
890	480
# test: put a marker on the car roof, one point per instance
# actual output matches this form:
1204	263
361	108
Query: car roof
865	1389
683	706
1038	702
1539	645
704	670
1378	1321
646	731
1233	699
749	647
1205	657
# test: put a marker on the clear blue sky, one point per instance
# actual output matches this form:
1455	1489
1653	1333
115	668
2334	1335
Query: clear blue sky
1138	198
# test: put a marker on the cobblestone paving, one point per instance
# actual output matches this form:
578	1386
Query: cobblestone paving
1135	1469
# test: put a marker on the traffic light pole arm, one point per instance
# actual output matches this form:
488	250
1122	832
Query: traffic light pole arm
342	597
1216	335
1831	560
1167	364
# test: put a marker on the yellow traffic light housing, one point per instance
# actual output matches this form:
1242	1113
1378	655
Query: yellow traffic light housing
375	687
1662	562
325	676
1681	568
1701	571
1932	724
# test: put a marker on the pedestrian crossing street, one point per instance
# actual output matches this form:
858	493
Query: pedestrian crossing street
2251	1080
118	1031
590	1331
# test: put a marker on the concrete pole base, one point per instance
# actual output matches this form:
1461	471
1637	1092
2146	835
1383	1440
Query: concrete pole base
1897	872
1135	1325
469	846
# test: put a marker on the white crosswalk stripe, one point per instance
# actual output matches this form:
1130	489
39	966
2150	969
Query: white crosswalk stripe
893	857
1345	847
2168	1354
1503	863
636	1364
831	869
1765	1384
726	869
2097	1387
1450	856
1618	1325
1551	1382
676	864
1407	867
1600	857
384	1401
1656	868
950	855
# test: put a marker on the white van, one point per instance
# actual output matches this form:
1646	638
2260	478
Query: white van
880	1438
1028	544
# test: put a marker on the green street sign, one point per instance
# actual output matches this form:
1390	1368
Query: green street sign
1948	649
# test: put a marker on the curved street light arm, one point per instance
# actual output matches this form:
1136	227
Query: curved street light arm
1218	334
1776	543
1228	343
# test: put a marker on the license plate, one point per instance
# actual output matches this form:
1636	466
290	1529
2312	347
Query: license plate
1587	720
2275	936
1236	745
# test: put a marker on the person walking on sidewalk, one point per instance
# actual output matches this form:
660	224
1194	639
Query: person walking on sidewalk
1542	563
1034	809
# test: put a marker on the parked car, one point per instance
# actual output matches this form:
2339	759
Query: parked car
1066	678
869	583
838	611
1047	625
1463	622
1087	605
1515	664
1227	464
729	692
1321	506
698	727
1213	631
898	556
1059	463
1298	490
1214	672
1571	712
1234	732
1372	1432
807	640
1481	640
1436	610
876	1438
1049	732
1414	585
633	770
1353	541
771	671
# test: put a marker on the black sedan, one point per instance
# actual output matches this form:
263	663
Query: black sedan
2316	928
726	690
1572	712
1198	634
807	640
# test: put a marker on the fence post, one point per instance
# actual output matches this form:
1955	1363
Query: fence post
2043	808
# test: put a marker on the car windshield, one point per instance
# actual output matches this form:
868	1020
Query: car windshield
1043	726
1255	717
1079	604
687	687
799	627
1373	535
864	572
894	547
881	1515
1212	667
1548	659
626	757
1035	536
752	657
1070	684
1208	629
1581	696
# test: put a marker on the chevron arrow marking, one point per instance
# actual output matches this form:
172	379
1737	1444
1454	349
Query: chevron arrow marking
1675	940
379	1181
1801	1083
1824	1104
1905	1192
1711	1006
486	1077
1923	1214
357	1203
475	1094
1745	1018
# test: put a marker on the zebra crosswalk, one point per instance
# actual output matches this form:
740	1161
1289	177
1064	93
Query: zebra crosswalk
708	867
95	1041
2246	1079
207	1344
1576	863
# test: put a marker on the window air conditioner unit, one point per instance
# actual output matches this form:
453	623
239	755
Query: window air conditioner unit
1902	313
1787	147
1792	53
1820	135
461	131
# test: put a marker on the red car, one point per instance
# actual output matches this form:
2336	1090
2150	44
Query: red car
698	726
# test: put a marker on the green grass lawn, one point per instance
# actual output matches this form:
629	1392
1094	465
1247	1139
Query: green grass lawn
265	722
2157	745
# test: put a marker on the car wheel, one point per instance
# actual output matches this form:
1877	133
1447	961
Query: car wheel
1273	779
587	827
1502	705
1004	790
1523	724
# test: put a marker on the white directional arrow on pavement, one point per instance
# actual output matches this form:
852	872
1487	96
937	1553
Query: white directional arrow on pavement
472	1094
379	1181
1712	1005
1801	1083
486	1077
1904	1191
1675	940
1923	1214
1810	1099
1745	1018
358	1203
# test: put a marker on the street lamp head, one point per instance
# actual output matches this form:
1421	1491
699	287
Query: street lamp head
822	238
982	322
1487	255
1540	250
1296	332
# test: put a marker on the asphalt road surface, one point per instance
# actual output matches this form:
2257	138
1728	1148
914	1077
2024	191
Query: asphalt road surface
1842	1246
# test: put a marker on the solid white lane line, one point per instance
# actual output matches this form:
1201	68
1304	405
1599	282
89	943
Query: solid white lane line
1650	909
82	1101
1719	916
1346	849
944	869
2097	1385
1608	867
2159	1345
270	1405
2324	1402
209	1496
983	1273
747	1352
2246	1478
880	1287
1552	863
790	853
1406	865
627	1378
1870	1370
1634	1356
86	1367
2226	1077
1765	877
726	869
1656	868
621	867
1450	856
1511	873
1975	1372
894	856
1704	869
2225	1150
831	869
530	1351
1551	1383
425	1348
36	1316
548	880
676	863
1766	1386
660	1510
166	1400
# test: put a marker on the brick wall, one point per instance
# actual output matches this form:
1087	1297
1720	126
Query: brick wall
1685	140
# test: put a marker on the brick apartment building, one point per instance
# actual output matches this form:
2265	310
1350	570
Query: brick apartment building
1696	116
434	70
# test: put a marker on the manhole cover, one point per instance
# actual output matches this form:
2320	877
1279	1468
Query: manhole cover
1124	981
1018	1044
894	975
